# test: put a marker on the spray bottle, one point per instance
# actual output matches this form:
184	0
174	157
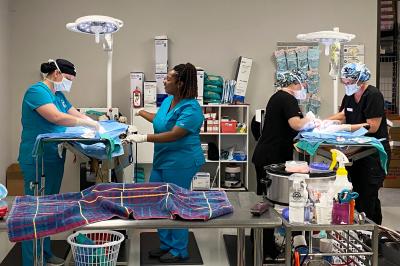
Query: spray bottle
298	196
341	181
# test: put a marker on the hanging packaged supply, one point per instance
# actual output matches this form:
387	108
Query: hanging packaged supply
280	58
313	58
302	61
313	82
291	59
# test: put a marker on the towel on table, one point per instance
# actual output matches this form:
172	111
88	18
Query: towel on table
36	217
99	150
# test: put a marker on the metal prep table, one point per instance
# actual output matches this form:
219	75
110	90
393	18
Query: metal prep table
240	219
371	252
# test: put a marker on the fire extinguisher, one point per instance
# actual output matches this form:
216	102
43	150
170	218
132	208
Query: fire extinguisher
136	98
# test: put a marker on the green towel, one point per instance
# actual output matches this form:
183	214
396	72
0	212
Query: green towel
209	95
213	88
213	80
110	146
311	148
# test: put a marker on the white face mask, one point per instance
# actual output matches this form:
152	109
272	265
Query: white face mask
63	85
300	94
352	88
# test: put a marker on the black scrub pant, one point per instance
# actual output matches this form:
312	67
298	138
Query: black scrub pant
270	249
367	177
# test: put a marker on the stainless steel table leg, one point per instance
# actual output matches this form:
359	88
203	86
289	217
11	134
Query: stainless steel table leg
241	237
375	247
258	247
288	247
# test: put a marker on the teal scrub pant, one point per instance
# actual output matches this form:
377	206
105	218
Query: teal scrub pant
54	172
174	240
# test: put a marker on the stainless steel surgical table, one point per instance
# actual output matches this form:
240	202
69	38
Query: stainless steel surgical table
239	219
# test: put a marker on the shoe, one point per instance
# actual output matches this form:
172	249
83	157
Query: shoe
156	253
55	261
169	258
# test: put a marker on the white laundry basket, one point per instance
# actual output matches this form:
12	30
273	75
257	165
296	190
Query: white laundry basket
103	251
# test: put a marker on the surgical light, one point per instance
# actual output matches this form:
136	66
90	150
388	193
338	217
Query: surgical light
327	38
96	25
102	27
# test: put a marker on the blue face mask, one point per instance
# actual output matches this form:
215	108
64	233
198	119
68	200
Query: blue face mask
64	85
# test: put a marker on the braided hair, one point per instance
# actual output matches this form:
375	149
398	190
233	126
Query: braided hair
186	76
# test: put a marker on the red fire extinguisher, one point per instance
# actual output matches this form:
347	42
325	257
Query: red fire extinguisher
137	98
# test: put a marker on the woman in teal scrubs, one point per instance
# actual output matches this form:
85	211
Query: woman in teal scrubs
45	109
177	149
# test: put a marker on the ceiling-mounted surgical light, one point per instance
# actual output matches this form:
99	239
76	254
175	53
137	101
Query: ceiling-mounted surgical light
95	24
327	38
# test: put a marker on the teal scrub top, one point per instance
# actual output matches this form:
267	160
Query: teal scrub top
185	152
34	124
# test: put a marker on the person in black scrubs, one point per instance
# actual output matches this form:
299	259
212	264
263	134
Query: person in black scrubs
363	106
283	119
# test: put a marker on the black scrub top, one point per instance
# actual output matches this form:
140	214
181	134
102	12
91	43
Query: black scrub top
371	105
276	142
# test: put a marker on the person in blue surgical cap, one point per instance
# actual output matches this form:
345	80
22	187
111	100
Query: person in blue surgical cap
45	109
177	149
363	106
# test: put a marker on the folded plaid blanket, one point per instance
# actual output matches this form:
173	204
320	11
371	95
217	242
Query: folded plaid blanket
36	217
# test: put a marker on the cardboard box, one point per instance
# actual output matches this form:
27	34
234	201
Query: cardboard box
392	179
137	80
394	132
161	54
161	94
150	94
201	181
228	126
14	180
242	78
200	85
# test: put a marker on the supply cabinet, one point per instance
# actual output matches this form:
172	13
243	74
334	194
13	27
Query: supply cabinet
225	138
228	139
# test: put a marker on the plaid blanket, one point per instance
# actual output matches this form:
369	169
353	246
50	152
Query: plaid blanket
36	217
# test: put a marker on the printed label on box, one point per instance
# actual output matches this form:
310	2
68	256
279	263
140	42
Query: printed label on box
150	94
242	78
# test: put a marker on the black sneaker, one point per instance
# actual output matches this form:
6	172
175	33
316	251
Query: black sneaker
156	253
169	258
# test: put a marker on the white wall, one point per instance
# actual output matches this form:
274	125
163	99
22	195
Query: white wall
6	115
5	92
208	33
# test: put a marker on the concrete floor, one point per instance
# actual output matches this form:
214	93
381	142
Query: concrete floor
211	243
